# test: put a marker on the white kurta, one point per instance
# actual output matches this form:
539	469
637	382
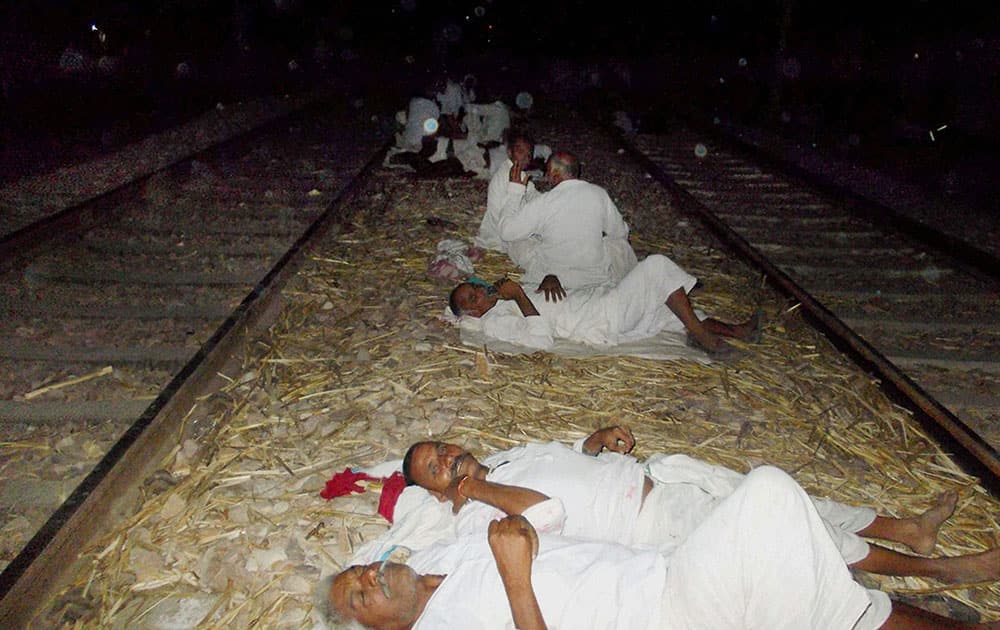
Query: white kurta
600	316
596	499
452	99
577	584
573	221
762	559
601	497
497	201
493	119
420	110
686	490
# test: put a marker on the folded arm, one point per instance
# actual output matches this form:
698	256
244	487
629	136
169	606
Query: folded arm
514	544
510	500
510	290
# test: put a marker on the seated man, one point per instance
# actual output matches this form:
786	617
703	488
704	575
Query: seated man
763	559
520	151
658	504
650	299
432	143
583	239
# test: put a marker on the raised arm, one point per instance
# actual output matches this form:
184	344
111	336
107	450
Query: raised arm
514	544
510	290
518	220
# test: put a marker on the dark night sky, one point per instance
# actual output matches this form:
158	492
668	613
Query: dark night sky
948	46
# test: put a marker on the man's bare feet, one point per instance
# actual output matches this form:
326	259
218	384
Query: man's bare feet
927	525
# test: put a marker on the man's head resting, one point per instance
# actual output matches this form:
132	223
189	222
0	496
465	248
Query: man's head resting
433	466
470	299
384	596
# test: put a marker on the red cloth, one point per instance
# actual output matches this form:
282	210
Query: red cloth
392	487
346	482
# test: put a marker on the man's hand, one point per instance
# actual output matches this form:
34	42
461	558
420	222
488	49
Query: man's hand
552	287
617	438
508	289
452	494
514	543
516	175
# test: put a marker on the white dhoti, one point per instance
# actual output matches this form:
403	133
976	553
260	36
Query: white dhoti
634	309
764	559
687	490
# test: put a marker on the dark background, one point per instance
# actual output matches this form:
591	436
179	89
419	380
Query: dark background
909	85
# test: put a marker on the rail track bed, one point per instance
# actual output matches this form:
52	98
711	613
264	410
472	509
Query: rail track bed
221	522
104	319
910	301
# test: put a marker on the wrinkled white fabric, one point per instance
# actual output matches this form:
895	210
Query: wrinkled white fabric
497	200
762	559
455	252
573	223
600	316
419	521
577	584
687	490
601	498
491	119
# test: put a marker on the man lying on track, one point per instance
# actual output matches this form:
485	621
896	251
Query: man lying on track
762	559
659	503
653	297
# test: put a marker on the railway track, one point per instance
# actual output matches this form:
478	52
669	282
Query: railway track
138	296
162	292
904	302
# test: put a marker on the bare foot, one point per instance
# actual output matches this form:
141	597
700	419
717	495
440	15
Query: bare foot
972	569
929	523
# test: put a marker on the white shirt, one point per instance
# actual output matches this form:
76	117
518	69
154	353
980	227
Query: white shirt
577	584
420	110
451	100
601	497
572	221
500	196
599	316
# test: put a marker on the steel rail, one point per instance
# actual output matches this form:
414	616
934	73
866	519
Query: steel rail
974	454
99	500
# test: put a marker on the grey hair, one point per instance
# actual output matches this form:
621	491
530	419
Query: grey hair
565	163
330	616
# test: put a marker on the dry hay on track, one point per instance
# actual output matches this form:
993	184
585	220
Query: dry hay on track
360	366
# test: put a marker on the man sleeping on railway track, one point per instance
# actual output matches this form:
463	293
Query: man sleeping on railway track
651	298
762	559
607	495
